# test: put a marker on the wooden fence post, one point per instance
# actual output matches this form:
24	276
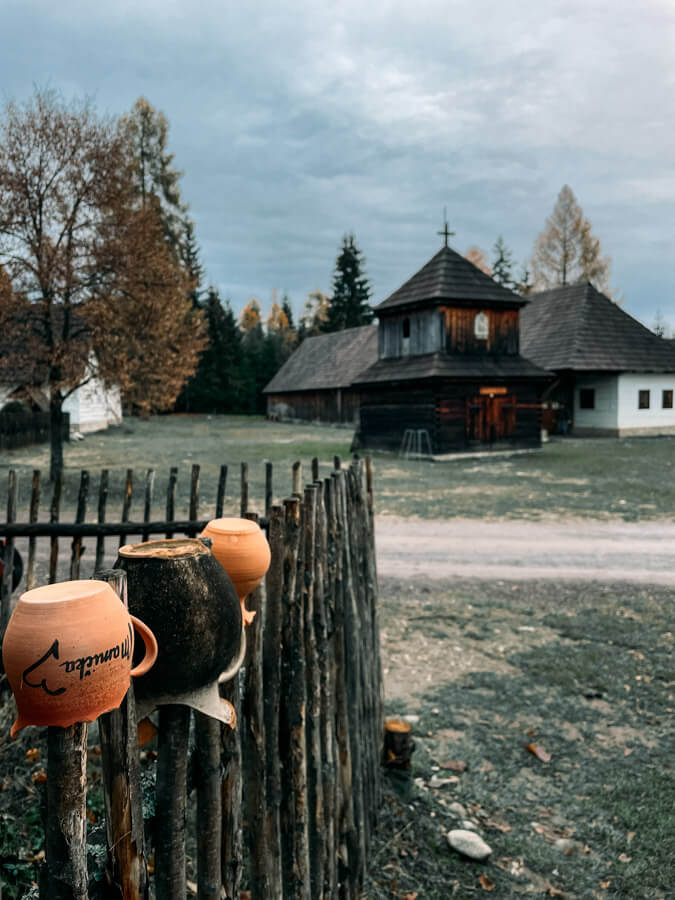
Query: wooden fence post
122	783
220	494
170	801
126	503
147	506
77	549
232	849
272	698
33	517
54	517
102	501
8	556
209	808
315	807
66	832
253	749
269	489
296	488
171	498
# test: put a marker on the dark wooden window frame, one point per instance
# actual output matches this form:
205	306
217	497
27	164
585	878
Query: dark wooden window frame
643	399
667	399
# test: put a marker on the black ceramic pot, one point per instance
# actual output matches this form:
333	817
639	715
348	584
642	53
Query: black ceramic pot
179	589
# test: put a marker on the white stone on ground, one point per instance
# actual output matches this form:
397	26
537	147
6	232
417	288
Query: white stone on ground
468	843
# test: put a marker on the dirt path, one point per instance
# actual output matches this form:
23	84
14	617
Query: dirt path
638	552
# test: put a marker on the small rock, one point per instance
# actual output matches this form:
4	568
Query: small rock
468	844
412	719
469	825
457	809
436	782
568	846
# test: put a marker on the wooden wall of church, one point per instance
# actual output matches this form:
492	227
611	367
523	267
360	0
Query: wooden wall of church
503	331
335	405
441	409
426	334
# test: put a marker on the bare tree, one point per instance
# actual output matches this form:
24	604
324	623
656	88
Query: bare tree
566	252
476	256
69	239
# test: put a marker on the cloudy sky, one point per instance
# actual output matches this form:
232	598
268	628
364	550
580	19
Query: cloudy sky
296	122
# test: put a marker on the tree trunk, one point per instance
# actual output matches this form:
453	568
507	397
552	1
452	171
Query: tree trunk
55	436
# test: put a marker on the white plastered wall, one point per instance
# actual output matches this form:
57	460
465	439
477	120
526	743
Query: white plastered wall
605	414
654	420
93	407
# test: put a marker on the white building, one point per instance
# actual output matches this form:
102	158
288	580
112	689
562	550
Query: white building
614	376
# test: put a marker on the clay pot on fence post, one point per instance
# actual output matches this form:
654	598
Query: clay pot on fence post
68	653
189	601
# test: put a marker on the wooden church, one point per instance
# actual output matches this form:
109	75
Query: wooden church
448	361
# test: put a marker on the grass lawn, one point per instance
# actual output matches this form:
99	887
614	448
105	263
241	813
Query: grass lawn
598	478
586	672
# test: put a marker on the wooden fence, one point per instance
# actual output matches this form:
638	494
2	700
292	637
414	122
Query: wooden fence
287	801
20	427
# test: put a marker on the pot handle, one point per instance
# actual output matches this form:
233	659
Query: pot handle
150	642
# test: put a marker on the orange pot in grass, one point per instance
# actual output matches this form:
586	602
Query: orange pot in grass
67	653
240	546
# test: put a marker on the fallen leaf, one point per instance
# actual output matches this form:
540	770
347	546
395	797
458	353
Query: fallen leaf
539	751
531	732
624	858
412	896
39	777
605	884
485	883
499	826
146	731
455	765
554	891
630	836
33	755
627	751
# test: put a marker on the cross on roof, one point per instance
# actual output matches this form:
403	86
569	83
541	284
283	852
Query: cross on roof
445	233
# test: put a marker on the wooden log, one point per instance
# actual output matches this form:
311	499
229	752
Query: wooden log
398	744
272	697
315	469
292	739
76	548
170	802
33	517
102	502
209	807
171	498
326	661
345	837
127	866
315	811
243	502
147	505
220	494
297	479
66	832
53	519
352	679
253	749
8	556
337	463
194	498
126	503
93	529
269	490
232	847
372	595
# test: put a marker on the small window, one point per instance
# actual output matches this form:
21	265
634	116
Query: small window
481	326
643	399
587	398
406	328
667	400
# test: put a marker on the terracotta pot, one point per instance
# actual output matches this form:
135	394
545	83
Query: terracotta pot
240	546
68	653
185	596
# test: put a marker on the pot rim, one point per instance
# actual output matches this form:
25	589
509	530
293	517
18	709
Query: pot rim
231	525
66	591
167	548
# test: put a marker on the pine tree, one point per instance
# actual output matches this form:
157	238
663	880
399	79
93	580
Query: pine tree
216	386
154	177
566	252
503	264
189	254
349	305
286	306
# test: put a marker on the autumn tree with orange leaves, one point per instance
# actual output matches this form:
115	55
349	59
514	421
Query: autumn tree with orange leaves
92	289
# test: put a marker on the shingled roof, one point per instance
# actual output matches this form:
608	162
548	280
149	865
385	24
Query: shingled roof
577	328
442	365
450	276
327	361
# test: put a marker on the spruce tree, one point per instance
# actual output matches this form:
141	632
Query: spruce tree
503	264
349	305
